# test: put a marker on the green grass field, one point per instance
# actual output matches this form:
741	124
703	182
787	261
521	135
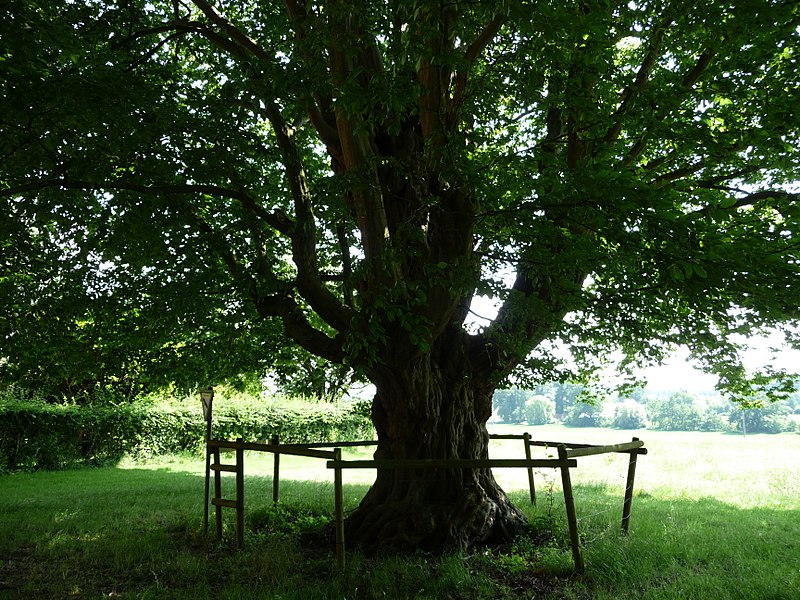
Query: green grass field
714	516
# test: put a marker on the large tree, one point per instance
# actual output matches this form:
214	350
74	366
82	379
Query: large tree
618	175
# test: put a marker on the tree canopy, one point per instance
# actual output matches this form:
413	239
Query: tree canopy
345	176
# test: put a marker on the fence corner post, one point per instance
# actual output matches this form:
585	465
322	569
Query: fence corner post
569	502
628	502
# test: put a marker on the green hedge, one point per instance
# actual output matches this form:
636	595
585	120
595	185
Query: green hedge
35	435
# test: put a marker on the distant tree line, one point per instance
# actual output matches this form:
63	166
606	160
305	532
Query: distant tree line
675	411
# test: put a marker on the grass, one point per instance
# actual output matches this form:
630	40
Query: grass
714	516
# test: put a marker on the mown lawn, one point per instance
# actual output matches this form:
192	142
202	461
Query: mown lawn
714	516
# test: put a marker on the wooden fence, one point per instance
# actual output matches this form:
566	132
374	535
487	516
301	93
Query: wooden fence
566	459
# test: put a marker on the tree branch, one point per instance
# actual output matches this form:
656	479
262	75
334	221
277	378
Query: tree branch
358	152
630	93
297	327
236	34
749	199
277	220
471	55
347	266
662	180
304	251
282	306
320	111
700	67
713	183
691	78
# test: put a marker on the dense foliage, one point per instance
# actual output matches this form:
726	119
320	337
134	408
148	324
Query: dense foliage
629	414
38	435
539	410
160	152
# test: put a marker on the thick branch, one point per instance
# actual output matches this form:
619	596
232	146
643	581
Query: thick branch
471	55
700	67
536	304
296	325
358	153
347	266
629	94
714	182
662	180
320	110
234	32
434	77
304	240
298	328
751	199
691	78
277	220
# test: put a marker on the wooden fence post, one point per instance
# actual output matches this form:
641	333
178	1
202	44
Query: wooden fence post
217	494
276	471
569	502
240	492
526	437
627	504
338	508
207	501
207	399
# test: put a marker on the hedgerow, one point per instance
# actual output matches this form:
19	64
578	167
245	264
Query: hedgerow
36	435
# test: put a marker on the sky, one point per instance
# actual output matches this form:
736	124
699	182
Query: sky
679	372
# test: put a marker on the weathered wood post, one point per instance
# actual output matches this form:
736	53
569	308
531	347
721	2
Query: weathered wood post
526	437
240	492
207	398
569	502
338	499
627	504
276	470
217	492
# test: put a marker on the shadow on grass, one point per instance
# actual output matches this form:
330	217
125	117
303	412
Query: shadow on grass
137	533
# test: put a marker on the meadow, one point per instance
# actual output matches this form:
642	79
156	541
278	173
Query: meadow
714	516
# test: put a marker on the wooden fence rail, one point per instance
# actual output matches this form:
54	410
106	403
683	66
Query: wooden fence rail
452	463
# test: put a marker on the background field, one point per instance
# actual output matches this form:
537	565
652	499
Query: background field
714	516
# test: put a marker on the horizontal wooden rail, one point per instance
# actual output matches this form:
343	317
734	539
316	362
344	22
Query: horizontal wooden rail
332	444
227	468
275	449
593	450
225	503
456	463
493	436
571	447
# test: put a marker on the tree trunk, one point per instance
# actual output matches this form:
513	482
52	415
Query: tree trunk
431	406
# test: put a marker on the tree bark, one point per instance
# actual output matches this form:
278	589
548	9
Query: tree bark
431	406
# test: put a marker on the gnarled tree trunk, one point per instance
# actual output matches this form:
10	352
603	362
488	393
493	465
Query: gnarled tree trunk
431	406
